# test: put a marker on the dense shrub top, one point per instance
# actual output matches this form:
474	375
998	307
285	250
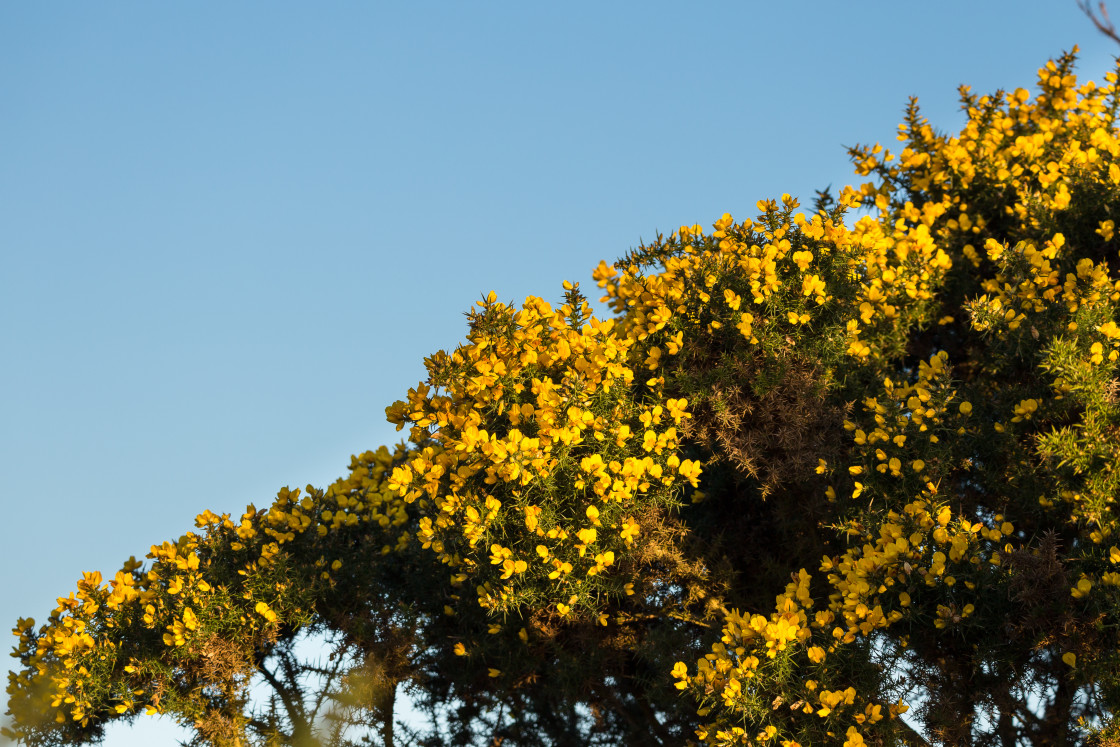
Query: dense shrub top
839	475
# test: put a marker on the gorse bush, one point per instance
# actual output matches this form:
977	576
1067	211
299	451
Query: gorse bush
844	475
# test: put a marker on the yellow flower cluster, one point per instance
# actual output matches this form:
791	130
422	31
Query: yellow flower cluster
1036	149
915	560
920	546
769	670
1054	161
1033	152
228	582
772	281
1029	282
536	452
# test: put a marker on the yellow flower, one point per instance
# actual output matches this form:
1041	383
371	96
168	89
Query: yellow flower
593	515
812	284
531	517
745	326
855	739
265	611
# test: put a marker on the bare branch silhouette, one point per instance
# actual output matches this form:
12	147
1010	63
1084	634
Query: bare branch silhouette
1102	21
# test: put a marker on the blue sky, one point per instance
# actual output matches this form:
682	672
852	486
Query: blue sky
230	232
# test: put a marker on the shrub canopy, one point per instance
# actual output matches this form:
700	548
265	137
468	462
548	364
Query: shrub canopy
840	476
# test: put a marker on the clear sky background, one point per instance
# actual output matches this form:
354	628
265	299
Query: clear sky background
230	232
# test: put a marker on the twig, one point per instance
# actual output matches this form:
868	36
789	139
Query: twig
1103	22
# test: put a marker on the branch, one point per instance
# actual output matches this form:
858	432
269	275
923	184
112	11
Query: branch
1103	22
328	675
635	619
293	708
912	733
610	696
